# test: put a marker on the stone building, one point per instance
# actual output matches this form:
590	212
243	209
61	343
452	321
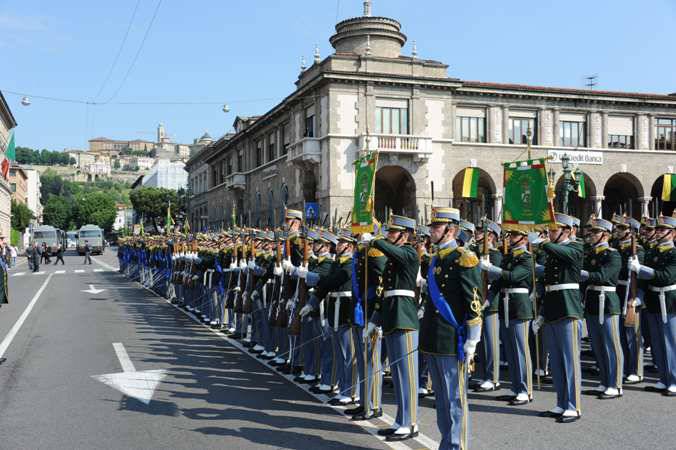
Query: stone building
7	123
428	127
18	181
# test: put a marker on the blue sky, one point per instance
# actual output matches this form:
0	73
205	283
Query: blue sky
247	53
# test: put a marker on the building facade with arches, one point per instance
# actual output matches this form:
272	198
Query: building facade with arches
428	127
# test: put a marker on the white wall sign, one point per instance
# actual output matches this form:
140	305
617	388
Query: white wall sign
577	157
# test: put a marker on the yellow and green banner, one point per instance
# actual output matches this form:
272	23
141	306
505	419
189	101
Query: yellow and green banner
528	201
581	186
470	183
669	187
364	193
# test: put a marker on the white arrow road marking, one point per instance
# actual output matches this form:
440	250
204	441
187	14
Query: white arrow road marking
19	274
59	272
17	325
93	290
78	271
139	385
42	272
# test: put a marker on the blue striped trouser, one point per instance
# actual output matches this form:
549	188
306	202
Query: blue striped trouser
562	339
329	372
449	381
663	339
402	346
631	338
344	351
311	331
489	349
371	379
605	340
519	360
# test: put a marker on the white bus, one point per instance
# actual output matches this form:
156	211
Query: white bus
48	235
93	236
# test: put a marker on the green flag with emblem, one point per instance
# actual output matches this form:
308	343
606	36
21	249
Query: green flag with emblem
364	193
528	196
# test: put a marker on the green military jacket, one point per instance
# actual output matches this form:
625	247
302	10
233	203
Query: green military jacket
322	267
376	267
338	279
663	261
562	266
603	264
401	271
517	272
459	280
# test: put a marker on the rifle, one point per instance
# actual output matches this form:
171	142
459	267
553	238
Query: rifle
630	317
484	253
240	281
274	305
250	280
231	278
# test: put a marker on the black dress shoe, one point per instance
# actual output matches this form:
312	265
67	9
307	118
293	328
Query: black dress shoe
550	414
363	416
604	396
354	411
337	402
316	390
402	437
249	344
491	389
285	369
592	392
235	336
386	431
516	402
505	398
654	389
568	419
297	370
266	357
669	393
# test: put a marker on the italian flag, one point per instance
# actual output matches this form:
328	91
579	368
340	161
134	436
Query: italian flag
581	188
10	155
669	187
470	183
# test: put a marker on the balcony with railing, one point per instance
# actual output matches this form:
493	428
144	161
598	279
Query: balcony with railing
305	151
235	181
420	147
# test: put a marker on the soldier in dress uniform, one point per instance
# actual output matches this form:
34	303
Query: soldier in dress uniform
513	283
630	335
562	316
660	298
602	308
489	348
398	317
423	248
451	326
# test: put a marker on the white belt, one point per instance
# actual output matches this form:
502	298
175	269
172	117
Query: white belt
399	293
662	291
505	300
602	299
623	282
561	287
341	294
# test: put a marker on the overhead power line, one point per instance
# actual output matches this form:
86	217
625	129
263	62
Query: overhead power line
119	51
138	53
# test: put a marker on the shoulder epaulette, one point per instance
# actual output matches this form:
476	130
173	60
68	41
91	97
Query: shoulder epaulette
375	253
467	258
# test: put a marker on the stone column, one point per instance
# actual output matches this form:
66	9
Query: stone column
645	206
556	128
495	131
497	207
651	132
505	124
598	205
604	129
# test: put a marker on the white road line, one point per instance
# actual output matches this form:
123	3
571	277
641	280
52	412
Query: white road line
98	270
18	274
366	426
59	272
107	266
78	270
42	272
125	360
22	318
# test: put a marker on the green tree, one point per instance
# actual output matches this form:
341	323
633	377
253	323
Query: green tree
152	204
21	216
97	208
57	212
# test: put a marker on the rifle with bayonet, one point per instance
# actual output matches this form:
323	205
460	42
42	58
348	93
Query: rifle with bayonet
301	294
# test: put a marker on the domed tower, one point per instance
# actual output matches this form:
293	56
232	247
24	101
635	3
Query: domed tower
368	35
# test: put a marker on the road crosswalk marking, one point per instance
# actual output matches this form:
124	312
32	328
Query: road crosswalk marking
79	271
59	272
19	274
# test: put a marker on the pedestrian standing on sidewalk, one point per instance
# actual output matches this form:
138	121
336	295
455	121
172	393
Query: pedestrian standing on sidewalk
59	255
87	253
13	253
35	257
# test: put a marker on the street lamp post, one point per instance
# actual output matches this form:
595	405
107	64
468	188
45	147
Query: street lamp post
568	176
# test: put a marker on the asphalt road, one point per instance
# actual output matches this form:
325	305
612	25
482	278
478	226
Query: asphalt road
216	396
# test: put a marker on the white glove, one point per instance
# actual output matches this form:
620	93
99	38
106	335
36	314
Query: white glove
305	310
369	330
301	272
421	313
485	264
242	265
470	349
233	266
251	265
286	264
289	305
366	238
537	324
277	271
636	302
634	265
420	281
245	296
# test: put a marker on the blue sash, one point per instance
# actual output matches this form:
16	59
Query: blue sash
445	309
358	310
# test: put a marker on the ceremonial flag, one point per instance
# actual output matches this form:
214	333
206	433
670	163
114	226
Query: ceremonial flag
186	225
364	192
669	187
528	201
470	183
141	230
234	215
10	155
581	187
168	221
